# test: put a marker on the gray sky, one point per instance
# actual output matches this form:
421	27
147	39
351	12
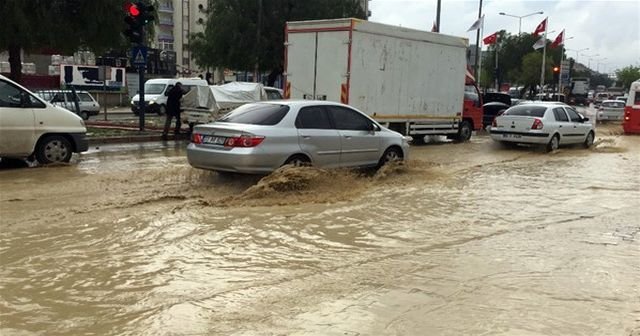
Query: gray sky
610	29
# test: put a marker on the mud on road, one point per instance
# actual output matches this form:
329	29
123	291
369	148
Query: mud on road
463	239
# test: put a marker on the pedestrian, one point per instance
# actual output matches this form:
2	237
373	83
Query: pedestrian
173	110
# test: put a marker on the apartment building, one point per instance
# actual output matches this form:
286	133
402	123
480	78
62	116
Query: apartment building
177	19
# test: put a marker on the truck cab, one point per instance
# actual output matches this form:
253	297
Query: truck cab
472	108
631	120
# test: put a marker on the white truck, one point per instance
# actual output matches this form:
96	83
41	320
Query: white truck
411	81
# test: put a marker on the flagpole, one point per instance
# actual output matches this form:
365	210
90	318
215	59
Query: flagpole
481	31
544	54
496	72
477	74
561	61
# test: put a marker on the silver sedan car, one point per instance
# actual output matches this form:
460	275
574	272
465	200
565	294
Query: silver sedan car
261	137
544	123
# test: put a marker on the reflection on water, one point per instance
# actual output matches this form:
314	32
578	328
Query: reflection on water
463	239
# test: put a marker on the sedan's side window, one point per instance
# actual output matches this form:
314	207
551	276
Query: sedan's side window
573	115
558	112
346	119
313	117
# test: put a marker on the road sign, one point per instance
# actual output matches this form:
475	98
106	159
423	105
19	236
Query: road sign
139	56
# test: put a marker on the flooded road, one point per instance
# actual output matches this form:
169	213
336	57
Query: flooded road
465	239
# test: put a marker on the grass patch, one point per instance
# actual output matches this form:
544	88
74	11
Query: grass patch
98	132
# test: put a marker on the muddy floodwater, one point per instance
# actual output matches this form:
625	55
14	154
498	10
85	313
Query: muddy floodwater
465	239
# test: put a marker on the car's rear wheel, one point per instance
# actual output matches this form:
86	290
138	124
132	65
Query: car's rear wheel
392	154
53	149
298	160
554	143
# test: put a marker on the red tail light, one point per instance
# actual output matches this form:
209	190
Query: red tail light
537	124
244	141
196	138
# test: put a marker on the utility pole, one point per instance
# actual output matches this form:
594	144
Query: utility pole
257	54
438	16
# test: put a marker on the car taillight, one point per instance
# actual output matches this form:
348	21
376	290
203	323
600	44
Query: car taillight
196	138
537	124
244	141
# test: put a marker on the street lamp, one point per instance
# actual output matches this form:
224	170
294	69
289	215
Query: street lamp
590	57
520	18
577	51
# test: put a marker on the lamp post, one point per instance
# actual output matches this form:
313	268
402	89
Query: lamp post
589	58
577	51
519	17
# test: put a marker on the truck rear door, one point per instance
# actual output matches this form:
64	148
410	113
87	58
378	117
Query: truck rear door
317	64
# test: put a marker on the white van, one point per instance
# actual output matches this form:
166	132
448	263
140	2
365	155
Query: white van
156	91
33	128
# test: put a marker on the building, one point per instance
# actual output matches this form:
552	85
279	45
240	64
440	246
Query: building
177	20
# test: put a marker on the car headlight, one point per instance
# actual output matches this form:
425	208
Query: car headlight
132	102
152	101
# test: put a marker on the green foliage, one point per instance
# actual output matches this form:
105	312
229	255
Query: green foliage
231	37
600	79
512	50
531	65
628	75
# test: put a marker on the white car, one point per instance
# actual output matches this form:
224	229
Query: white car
258	138
548	124
611	110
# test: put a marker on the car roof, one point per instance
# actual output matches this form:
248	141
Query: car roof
611	101
542	103
303	103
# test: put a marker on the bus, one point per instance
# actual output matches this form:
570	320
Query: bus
631	122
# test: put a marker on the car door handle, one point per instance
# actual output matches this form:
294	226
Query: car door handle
560	126
347	137
306	137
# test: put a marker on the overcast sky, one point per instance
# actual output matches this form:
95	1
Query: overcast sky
609	28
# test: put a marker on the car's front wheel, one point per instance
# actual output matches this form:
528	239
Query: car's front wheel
588	142
554	143
392	154
84	115
53	149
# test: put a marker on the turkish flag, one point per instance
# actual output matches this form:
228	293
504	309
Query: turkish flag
541	27
559	40
491	39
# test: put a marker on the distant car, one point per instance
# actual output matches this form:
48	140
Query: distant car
548	124
494	104
64	98
611	110
258	138
622	98
274	93
600	97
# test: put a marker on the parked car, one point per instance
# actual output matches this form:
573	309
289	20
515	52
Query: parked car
611	110
259	138
549	124
156	92
32	127
622	98
274	93
64	98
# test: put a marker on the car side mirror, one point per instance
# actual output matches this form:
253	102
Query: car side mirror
585	119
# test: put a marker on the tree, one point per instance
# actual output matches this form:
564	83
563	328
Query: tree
60	25
628	75
530	69
232	37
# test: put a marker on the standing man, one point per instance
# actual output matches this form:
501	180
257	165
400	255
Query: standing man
173	110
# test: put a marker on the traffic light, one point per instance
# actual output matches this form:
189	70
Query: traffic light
137	15
556	74
132	18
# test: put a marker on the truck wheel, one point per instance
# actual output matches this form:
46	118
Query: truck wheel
464	131
53	149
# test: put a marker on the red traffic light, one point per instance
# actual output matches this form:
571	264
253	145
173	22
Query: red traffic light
132	9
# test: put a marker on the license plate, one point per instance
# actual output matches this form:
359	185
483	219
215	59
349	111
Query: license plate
216	140
514	136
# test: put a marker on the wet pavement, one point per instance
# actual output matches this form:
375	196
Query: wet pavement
465	239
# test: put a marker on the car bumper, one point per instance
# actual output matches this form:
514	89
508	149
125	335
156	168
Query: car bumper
236	160
81	142
151	108
531	137
610	116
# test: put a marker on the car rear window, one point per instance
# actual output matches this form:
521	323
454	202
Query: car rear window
256	114
613	104
526	111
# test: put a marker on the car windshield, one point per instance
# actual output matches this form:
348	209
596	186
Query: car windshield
154	88
526	111
256	114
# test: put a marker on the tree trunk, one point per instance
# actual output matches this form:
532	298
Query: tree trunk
15	62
